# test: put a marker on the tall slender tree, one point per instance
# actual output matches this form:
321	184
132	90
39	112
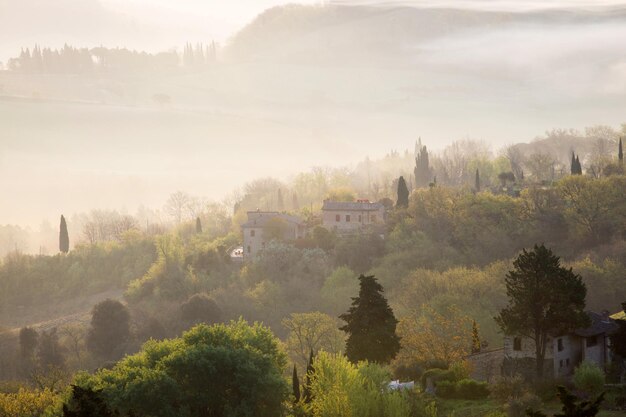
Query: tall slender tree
198	225
620	152
422	166
544	298
475	338
64	238
477	181
295	384
370	325
403	194
310	370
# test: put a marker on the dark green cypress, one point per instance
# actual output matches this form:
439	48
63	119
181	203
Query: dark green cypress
620	152
572	168
198	225
296	384
64	238
579	168
310	370
403	194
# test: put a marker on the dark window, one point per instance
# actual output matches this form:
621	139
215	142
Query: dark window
347	218
517	343
338	218
567	362
559	344
592	341
252	232
561	363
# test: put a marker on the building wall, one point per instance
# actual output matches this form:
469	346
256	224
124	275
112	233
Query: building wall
566	359
597	354
358	219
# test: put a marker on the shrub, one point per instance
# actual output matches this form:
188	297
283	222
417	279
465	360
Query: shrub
436	375
517	407
410	372
446	389
507	388
589	379
469	389
547	389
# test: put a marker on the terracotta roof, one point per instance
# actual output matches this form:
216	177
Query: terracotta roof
351	206
600	324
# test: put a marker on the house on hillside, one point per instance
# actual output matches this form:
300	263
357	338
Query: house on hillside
563	352
350	217
264	226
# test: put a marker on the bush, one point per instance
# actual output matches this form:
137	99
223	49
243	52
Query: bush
469	389
547	389
436	375
446	389
589	379
507	388
517	407
411	372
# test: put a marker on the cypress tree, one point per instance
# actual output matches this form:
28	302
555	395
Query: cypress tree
296	384
64	239
370	325
477	181
403	194
579	168
422	167
475	338
620	152
572	168
310	370
198	225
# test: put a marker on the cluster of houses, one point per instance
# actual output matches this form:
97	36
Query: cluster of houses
337	216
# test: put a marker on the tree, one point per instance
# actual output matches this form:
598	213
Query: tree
477	181
295	382
572	406
311	332
422	166
198	225
403	194
177	204
50	352
370	325
109	329
64	239
310	371
199	308
85	402
221	370
544	298
28	342
475	338
620	152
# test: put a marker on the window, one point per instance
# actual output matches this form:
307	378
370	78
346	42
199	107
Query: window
373	218
517	343
249	251
567	362
347	218
561	363
338	218
592	341
559	345
252	232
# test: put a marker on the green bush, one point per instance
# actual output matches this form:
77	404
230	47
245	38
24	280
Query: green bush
469	389
507	388
589	378
446	389
437	375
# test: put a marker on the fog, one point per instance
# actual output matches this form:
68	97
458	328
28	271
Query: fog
323	85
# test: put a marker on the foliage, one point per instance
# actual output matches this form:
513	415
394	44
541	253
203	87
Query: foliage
572	407
469	389
64	239
370	325
311	332
433	336
233	369
85	402
508	387
436	375
517	406
199	308
589	378
340	286
544	297
403	194
109	329
26	403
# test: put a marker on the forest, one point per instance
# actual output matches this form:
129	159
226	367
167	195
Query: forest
171	294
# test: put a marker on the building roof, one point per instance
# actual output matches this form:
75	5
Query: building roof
600	324
351	206
262	220
619	316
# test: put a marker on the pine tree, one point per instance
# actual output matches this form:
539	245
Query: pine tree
198	225
544	298
64	239
579	168
572	168
477	181
620	152
475	338
295	384
403	194
370	325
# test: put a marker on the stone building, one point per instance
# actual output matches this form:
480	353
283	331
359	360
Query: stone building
350	217
563	352
264	226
